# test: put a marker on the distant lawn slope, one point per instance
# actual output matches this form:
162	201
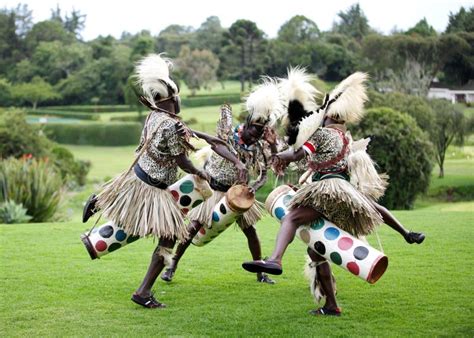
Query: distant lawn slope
50	287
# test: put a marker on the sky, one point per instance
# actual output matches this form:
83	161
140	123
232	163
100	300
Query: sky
113	18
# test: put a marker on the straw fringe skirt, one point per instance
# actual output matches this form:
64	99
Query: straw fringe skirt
141	209
341	203
203	212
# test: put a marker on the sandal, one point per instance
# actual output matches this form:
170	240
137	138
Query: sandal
415	237
167	276
263	278
89	208
148	302
323	311
268	266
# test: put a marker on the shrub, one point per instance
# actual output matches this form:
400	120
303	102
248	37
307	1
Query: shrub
70	169
35	184
18	138
13	213
401	150
95	133
210	100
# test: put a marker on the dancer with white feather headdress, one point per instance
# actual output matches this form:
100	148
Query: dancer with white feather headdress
320	135
264	106
138	200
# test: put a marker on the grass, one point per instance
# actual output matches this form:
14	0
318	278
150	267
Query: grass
51	288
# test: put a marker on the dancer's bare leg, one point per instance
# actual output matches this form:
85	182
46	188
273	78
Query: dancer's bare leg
324	276
193	229
391	221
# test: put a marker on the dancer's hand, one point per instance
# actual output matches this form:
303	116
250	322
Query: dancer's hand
270	135
278	165
181	129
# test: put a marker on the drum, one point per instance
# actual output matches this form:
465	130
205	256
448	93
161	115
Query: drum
237	200
331	242
189	192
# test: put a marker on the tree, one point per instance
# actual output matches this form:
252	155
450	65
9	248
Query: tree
400	149
172	38
448	127
462	21
45	31
5	93
35	92
299	29
210	35
459	66
422	28
73	23
198	68
353	23
247	37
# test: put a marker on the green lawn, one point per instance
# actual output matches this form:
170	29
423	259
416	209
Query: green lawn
50	287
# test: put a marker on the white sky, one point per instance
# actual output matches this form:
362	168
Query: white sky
107	17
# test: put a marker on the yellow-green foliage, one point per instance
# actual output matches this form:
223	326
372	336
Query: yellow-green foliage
34	183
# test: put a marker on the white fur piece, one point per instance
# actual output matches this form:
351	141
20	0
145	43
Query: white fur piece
363	174
349	105
311	274
149	71
203	155
167	254
297	86
265	102
307	127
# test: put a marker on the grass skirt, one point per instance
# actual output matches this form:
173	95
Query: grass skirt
341	203
141	209
203	212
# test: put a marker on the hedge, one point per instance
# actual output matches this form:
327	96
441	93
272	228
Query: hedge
210	100
100	134
72	115
92	109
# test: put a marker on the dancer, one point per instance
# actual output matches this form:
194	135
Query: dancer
245	141
330	194
137	200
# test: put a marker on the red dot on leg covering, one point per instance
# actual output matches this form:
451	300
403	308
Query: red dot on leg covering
202	231
101	246
175	195
353	267
185	211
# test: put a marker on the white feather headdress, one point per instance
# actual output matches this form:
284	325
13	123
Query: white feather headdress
153	75
346	101
265	104
302	113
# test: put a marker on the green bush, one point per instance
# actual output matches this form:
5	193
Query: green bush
65	114
130	118
402	150
13	213
95	133
71	170
18	138
35	184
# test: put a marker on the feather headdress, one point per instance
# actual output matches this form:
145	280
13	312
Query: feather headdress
265	104
299	96
346	101
153	76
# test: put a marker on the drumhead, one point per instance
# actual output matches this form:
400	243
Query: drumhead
239	198
274	195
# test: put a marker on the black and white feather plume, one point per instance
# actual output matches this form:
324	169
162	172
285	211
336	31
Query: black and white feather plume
153	76
265	104
300	97
346	101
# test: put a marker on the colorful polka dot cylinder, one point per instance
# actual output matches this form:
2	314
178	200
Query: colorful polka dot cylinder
329	241
344	250
189	192
105	239
236	201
